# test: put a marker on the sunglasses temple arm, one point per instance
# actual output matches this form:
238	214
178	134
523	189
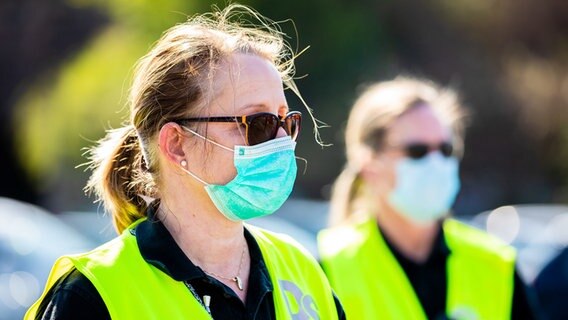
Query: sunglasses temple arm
209	140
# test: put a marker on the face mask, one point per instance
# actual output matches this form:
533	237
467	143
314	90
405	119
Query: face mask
266	173
425	188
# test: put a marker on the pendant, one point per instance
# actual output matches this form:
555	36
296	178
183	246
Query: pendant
239	282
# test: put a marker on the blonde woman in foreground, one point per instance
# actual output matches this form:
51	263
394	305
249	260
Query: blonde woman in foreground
210	143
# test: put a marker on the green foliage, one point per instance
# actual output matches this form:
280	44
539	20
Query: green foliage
69	109
147	18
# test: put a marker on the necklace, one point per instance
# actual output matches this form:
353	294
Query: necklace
236	278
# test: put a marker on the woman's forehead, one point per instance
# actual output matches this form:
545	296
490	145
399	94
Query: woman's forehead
420	124
247	81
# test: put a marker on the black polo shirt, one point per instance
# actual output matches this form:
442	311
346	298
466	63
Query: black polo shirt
74	296
429	281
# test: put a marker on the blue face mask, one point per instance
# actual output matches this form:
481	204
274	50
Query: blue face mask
425	188
266	173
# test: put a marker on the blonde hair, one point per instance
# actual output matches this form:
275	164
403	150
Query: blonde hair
175	80
372	114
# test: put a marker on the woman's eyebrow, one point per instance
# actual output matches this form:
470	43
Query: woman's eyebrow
262	107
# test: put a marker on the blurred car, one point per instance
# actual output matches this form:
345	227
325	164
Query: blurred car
31	239
552	287
539	232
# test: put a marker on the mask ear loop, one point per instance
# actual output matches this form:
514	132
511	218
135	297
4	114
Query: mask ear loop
206	139
182	164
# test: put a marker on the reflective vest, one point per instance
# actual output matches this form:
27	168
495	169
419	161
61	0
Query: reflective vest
133	289
371	284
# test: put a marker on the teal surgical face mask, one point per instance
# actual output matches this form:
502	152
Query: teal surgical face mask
425	188
266	173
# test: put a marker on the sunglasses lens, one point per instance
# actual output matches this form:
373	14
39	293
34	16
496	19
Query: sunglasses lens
292	125
262	128
417	151
446	149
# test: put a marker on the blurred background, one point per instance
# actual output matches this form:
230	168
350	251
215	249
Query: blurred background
65	68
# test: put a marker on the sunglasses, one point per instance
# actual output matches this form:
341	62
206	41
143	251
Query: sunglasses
420	150
259	127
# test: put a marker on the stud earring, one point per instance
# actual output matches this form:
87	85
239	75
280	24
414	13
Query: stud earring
183	163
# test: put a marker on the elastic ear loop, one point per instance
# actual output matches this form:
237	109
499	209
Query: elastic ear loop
183	163
208	140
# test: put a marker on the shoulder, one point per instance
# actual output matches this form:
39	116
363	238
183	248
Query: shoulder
122	247
464	238
104	265
75	281
73	297
345	238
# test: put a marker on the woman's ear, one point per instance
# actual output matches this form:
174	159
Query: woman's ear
170	142
376	172
368	165
370	171
379	173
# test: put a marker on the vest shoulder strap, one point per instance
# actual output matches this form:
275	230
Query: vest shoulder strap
480	273
472	241
301	289
365	274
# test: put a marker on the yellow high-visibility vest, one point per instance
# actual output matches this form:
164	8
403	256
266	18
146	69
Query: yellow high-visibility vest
371	284
133	289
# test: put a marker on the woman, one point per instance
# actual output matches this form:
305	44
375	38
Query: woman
393	253
210	144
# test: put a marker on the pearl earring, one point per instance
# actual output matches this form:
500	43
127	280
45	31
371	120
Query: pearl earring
183	163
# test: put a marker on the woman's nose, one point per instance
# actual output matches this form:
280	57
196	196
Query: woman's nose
281	133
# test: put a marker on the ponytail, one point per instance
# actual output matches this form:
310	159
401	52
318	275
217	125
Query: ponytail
119	179
344	193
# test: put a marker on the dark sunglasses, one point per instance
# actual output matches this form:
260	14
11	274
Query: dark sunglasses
420	150
259	127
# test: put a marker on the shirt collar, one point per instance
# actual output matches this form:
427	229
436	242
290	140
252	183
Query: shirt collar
158	247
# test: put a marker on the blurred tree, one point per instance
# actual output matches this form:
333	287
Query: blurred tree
32	44
525	43
87	95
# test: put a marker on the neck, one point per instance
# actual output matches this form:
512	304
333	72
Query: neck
211	241
413	240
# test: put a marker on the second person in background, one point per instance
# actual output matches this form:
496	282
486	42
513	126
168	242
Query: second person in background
392	252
